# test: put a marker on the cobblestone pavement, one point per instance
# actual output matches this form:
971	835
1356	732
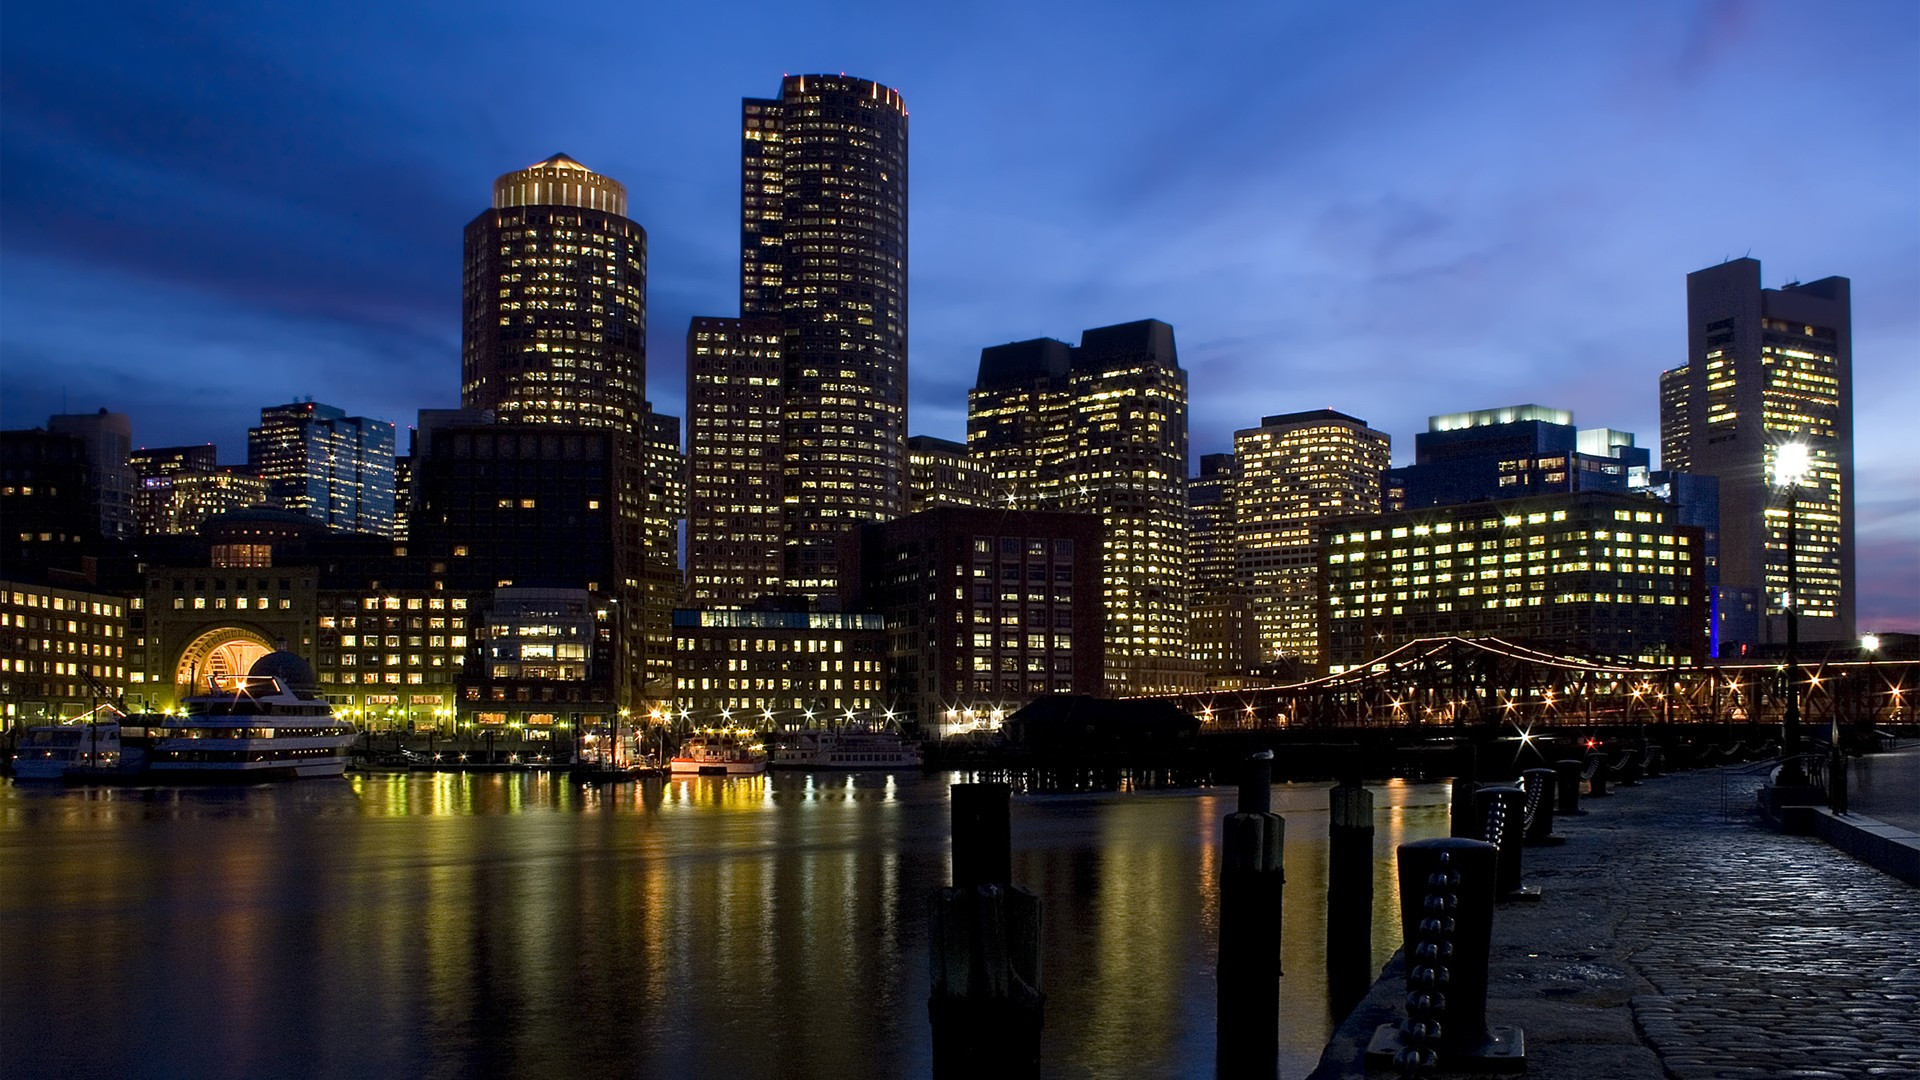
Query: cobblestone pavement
1768	955
1676	938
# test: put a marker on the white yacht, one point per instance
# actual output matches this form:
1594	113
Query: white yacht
846	749
268	724
70	751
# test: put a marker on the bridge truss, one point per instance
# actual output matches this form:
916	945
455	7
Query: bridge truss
1462	682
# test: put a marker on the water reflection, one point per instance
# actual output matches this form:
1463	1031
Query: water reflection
506	925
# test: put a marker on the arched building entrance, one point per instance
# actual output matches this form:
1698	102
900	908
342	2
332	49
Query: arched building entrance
222	651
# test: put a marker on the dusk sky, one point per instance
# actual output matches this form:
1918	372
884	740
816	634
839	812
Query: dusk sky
1390	209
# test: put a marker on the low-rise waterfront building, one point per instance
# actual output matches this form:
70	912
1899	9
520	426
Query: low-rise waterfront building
62	652
778	668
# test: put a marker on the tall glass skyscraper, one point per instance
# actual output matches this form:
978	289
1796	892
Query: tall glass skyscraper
554	315
318	461
823	253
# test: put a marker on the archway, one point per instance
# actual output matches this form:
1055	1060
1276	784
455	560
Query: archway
220	652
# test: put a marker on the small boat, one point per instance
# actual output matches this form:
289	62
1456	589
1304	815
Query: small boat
77	750
846	748
720	753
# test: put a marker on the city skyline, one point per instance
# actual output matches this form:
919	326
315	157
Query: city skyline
1526	258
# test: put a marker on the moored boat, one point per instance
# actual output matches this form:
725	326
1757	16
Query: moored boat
846	748
720	753
269	724
69	751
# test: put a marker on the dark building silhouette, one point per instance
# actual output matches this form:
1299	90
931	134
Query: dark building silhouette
1511	453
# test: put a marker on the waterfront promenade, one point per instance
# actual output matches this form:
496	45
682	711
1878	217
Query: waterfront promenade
1678	938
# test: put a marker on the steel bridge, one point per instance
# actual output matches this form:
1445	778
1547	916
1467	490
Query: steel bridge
1458	682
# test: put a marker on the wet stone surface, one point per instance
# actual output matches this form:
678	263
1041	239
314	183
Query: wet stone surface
1678	938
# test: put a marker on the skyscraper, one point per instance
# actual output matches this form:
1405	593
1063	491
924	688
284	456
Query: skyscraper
318	461
109	439
1102	429
1768	367
554	315
1296	470
735	538
943	473
823	251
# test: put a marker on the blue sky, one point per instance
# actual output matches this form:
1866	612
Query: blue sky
1390	209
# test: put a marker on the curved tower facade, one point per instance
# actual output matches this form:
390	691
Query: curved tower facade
824	253
554	314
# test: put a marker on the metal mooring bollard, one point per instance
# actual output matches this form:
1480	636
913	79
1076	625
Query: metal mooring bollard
1572	775
1539	785
1446	917
1349	896
1503	810
983	945
1253	843
1596	775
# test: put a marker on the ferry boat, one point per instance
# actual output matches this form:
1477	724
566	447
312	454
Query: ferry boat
720	753
70	751
268	724
846	749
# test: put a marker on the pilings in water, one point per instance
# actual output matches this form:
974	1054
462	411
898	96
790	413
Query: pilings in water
1251	874
1349	895
983	943
1446	914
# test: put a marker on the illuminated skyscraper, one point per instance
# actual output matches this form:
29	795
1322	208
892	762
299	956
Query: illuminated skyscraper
943	473
1295	471
178	487
318	461
554	313
735	542
1766	367
824	253
1102	429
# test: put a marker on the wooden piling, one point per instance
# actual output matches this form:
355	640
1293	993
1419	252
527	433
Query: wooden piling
1349	896
1253	843
983	945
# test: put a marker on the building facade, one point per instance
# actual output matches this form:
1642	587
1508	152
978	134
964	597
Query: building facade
1225	637
1768	367
48	518
736	549
320	462
63	652
778	669
176	488
940	472
554	315
823	252
1596	573
1102	429
1511	453
109	440
985	609
1295	471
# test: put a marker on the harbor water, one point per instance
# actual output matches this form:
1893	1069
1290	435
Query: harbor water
511	925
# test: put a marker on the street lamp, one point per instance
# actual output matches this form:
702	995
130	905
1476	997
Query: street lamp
1791	463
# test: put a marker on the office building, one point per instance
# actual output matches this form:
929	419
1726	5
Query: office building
1225	638
765	668
176	488
62	652
1295	471
1767	367
110	484
554	315
320	462
48	517
1595	573
1101	429
940	472
1511	453
735	515
663	469
985	609
823	253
